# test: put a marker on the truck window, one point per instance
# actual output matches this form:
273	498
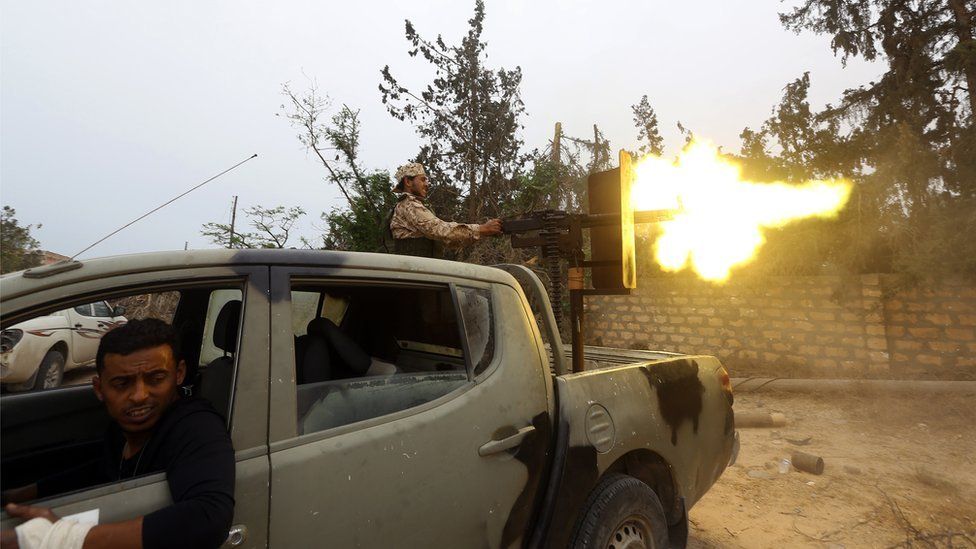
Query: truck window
209	350
53	426
304	307
475	306
373	350
101	309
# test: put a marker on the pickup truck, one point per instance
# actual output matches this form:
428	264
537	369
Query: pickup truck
379	400
35	354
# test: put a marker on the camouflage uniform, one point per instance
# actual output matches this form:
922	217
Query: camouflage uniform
411	219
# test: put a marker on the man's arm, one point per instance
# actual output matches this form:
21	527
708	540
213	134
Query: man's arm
120	535
201	482
448	232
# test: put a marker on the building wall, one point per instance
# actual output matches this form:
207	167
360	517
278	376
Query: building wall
821	326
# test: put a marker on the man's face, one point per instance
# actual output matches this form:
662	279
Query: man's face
137	388
417	185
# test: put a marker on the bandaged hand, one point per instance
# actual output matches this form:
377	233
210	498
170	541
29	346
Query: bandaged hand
44	530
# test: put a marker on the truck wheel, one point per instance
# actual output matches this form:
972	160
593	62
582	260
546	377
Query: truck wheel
621	513
51	371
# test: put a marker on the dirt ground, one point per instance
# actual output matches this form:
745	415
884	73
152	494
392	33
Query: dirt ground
899	472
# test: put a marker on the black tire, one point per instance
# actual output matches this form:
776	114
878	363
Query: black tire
621	513
50	374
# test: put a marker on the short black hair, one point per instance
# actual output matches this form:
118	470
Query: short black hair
137	335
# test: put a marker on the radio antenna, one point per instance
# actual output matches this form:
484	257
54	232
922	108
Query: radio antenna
161	206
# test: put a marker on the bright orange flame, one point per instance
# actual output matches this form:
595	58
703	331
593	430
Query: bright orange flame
720	217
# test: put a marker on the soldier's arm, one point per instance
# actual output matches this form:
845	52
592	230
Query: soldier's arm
448	232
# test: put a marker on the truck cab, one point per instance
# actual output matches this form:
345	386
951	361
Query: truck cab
387	400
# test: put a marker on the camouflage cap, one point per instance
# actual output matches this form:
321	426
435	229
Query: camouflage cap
409	170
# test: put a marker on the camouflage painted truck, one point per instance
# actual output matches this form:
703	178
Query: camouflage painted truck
388	401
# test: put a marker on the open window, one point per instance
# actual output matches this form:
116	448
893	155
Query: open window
46	432
364	350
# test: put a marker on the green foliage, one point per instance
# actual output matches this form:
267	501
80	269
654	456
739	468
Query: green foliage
537	188
273	228
648	136
18	249
334	140
906	141
351	228
558	181
468	118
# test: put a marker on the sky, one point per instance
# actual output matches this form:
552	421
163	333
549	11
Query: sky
110	108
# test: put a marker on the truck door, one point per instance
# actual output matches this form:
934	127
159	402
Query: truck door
47	432
406	412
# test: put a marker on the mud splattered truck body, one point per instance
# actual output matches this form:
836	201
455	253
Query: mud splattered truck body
380	400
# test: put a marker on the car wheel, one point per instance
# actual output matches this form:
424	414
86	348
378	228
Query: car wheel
51	371
621	513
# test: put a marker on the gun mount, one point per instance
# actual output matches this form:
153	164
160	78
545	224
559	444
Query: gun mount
559	236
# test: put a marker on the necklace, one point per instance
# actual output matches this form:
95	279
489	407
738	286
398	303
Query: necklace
122	459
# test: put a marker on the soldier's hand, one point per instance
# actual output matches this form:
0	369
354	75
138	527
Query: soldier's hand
491	227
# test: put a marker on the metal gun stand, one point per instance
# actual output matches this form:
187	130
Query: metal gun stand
560	236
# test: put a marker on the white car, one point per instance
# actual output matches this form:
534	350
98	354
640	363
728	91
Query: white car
36	353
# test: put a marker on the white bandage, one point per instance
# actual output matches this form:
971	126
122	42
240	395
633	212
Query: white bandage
31	533
39	533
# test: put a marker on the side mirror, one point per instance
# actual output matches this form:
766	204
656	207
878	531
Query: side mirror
119	310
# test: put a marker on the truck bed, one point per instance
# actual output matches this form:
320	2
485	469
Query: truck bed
603	357
596	357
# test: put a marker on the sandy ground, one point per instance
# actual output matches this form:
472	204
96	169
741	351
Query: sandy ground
898	473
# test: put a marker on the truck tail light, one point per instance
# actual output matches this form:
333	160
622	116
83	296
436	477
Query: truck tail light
9	338
725	382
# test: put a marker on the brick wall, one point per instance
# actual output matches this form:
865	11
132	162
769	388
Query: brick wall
800	326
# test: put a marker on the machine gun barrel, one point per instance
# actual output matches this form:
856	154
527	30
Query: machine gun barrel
537	221
643	216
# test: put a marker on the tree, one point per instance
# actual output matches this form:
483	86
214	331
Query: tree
556	178
468	118
351	228
274	226
648	136
808	146
18	249
335	142
913	129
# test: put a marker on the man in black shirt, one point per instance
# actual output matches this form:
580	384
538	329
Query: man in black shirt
154	429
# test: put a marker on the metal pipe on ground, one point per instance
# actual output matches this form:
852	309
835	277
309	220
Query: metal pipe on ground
807	463
759	419
851	386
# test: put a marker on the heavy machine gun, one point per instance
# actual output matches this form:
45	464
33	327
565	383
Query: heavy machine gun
559	236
